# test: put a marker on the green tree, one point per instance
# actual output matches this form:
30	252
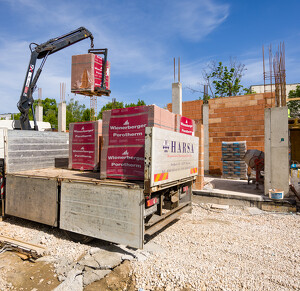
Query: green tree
225	81
139	103
50	111
221	81
116	105
109	106
74	112
294	106
86	115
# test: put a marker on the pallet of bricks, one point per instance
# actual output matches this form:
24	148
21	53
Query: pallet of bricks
122	156
234	166
118	141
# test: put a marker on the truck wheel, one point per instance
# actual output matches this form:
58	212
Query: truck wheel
78	237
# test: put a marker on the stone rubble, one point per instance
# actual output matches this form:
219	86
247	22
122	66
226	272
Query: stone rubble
74	263
210	249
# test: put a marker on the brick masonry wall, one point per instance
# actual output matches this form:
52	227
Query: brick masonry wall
193	110
237	118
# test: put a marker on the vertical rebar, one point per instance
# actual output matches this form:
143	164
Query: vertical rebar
174	70
178	69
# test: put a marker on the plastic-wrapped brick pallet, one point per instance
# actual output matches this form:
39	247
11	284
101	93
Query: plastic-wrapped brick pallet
85	140
184	125
234	166
122	155
86	74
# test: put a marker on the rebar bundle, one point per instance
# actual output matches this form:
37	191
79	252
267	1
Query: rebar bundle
276	75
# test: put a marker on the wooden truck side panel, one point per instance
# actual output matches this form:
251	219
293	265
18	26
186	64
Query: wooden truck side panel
112	213
32	198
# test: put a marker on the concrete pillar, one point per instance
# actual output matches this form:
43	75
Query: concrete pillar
62	108
39	113
177	98
200	178
276	149
205	114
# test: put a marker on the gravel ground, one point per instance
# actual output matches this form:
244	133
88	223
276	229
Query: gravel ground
225	250
209	249
59	248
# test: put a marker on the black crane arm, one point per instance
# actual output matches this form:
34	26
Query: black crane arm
42	51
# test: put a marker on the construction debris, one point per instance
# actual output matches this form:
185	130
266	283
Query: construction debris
23	249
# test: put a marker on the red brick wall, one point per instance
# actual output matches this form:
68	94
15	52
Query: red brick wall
238	118
193	110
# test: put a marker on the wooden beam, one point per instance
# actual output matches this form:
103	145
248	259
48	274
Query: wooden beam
34	251
292	99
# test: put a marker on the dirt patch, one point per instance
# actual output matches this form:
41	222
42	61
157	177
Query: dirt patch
120	278
26	275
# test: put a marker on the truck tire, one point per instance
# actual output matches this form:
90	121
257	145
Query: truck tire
78	237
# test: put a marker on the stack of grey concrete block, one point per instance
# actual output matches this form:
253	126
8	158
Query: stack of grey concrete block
234	167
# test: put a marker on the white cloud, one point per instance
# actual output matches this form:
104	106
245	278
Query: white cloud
138	41
196	19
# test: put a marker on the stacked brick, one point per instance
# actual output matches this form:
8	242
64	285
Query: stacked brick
85	139
86	74
122	156
234	166
231	119
185	125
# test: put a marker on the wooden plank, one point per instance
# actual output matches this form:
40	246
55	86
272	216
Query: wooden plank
76	175
292	99
32	198
33	250
110	213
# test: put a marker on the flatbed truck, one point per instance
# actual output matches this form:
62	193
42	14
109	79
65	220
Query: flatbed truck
78	202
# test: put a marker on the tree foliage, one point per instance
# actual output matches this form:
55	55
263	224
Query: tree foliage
222	81
294	106
75	112
116	105
225	81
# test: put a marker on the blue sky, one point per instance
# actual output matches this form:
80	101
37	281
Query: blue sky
143	37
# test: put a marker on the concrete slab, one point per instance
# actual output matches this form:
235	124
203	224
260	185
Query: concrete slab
254	210
93	276
74	282
219	206
231	195
239	193
107	260
89	262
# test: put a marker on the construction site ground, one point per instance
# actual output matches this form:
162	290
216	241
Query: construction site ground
243	193
216	247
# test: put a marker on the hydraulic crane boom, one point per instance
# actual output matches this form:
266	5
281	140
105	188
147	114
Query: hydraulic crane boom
42	51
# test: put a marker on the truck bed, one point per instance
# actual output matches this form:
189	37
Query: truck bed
76	175
79	202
